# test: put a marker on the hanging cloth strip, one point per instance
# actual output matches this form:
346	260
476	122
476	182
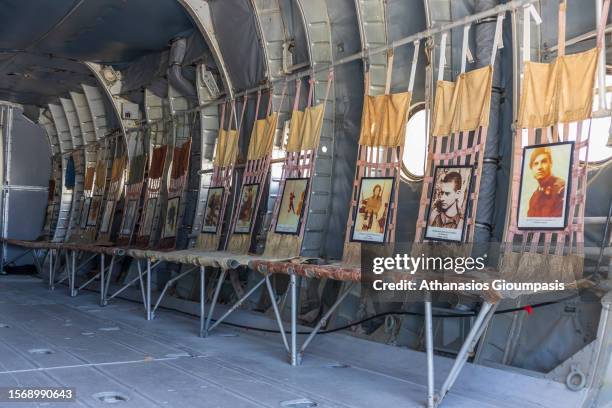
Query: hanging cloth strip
226	155
300	160
256	172
90	174
381	144
118	168
133	191
100	178
151	203
113	197
305	127
459	129
464	105
226	151
383	120
560	91
262	135
553	95
158	161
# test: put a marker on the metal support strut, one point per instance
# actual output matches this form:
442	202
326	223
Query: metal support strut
484	317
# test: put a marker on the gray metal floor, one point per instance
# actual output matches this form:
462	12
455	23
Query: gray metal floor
162	363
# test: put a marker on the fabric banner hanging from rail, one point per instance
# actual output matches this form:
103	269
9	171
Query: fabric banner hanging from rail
290	213
244	216
545	233
373	206
226	155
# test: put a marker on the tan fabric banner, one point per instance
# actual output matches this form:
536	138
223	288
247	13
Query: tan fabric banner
118	167
282	246
208	242
384	120
100	174
474	103
444	108
89	178
239	243
577	82
227	148
262	137
538	95
180	160
558	92
463	106
137	169
305	128
158	161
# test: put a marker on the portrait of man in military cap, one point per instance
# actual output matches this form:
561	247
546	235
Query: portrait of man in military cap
448	203
544	185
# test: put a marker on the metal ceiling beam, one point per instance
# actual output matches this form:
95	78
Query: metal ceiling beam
95	101
199	10
46	121
372	18
63	129
85	119
156	109
318	35
110	81
73	122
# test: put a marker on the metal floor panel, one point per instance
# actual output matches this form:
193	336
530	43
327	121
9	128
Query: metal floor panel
162	363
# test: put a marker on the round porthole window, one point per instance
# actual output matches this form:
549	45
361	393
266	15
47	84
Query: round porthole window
415	146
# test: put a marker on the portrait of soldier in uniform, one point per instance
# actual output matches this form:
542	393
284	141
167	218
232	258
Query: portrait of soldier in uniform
548	199
543	189
248	201
213	209
171	217
373	209
448	203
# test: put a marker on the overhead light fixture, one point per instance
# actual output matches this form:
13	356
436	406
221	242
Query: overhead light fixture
210	83
109	75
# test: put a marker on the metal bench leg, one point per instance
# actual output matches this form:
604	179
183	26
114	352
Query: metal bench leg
279	320
130	283
293	289
237	304
430	351
468	345
51	275
102	280
202	299
214	301
142	285
36	259
108	279
149	315
167	286
324	319
66	269
72	272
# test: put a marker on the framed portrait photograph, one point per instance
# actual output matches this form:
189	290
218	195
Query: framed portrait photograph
109	208
292	206
448	204
129	217
212	210
85	204
172	212
545	184
94	211
147	224
246	208
372	213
